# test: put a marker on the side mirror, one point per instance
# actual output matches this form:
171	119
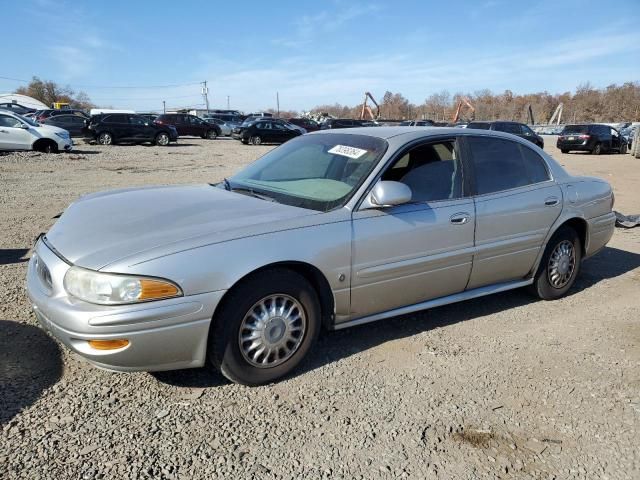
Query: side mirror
387	193
24	126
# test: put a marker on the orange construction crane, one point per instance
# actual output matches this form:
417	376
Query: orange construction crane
464	101
367	109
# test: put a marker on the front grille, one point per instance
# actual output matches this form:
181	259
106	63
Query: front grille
43	272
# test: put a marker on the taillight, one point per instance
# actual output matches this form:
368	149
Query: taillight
584	137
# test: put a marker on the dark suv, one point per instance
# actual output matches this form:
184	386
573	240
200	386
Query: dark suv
190	125
592	138
346	123
110	128
515	128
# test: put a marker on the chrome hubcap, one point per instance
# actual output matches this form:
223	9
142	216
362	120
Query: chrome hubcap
272	331
562	264
163	140
105	139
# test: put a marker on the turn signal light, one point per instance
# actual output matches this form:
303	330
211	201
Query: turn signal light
155	289
108	344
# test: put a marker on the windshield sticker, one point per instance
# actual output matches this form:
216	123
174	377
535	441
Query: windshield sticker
345	151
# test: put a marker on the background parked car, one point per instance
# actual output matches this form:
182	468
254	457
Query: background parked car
237	132
225	128
417	123
594	138
151	117
111	128
232	119
514	128
306	123
268	131
16	108
189	125
40	115
74	124
19	133
345	123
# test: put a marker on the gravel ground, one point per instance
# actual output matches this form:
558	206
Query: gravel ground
500	387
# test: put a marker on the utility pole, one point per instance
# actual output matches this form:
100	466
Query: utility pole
164	106
278	104
228	103
205	94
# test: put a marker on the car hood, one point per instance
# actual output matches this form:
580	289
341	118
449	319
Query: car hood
102	228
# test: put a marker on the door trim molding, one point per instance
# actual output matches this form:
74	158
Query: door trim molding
437	302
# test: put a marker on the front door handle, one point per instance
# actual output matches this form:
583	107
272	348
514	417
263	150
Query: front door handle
4	131
459	218
551	201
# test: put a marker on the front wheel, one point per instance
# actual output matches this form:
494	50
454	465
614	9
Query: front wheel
623	149
265	327
564	150
559	266
255	140
162	139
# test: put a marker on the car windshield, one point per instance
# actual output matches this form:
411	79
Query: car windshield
576	129
319	172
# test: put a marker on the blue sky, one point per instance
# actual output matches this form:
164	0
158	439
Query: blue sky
316	52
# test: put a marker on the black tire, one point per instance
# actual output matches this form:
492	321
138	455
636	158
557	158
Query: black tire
105	138
162	139
543	286
564	150
244	141
255	140
47	146
597	149
224	349
623	149
211	134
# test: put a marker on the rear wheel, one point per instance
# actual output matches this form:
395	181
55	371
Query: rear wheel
255	140
623	149
212	134
265	327
105	138
597	150
559	266
162	139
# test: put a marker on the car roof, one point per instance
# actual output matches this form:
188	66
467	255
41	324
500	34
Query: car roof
409	133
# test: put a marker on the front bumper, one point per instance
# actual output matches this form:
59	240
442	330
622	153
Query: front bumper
163	335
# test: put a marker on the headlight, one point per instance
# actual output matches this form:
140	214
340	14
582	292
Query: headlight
63	135
112	289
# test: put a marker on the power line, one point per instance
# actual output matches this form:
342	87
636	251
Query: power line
174	85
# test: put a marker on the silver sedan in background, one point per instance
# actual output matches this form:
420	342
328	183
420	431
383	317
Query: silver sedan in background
332	229
225	128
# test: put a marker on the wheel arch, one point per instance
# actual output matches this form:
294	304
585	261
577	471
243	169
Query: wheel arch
40	143
578	223
311	273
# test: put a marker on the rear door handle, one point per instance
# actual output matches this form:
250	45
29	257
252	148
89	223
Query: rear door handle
459	218
551	201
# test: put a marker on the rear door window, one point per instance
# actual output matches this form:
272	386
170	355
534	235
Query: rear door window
501	164
579	129
117	118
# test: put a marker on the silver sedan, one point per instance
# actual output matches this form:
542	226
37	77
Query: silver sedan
332	229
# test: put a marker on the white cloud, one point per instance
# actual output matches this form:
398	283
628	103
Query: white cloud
304	83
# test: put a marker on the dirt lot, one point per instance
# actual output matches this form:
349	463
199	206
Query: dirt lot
500	387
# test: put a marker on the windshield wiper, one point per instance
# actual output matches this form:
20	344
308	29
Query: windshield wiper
227	185
253	193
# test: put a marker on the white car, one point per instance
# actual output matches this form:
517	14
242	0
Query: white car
20	133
